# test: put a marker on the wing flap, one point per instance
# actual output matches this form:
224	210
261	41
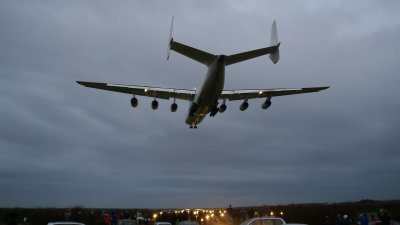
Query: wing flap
233	95
155	92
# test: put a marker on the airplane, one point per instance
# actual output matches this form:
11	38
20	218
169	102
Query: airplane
206	99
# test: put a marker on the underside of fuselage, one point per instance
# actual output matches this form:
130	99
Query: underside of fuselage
206	100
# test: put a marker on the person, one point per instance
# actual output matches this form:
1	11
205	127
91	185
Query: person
383	215
12	218
342	220
338	219
113	218
67	215
346	220
327	220
106	219
363	219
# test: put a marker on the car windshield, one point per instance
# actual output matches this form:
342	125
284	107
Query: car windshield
128	222
264	221
188	223
67	223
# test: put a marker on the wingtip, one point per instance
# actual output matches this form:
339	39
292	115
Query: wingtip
80	82
326	87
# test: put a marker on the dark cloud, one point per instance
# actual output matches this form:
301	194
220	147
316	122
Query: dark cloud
64	145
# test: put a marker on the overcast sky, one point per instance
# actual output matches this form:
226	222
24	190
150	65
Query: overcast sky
63	145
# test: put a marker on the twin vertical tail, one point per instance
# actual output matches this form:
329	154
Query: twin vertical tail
274	56
170	39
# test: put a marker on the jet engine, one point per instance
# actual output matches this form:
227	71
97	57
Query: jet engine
222	108
266	104
134	102
244	106
174	107
154	104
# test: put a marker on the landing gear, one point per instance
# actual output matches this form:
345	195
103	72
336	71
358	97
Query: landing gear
214	110
193	127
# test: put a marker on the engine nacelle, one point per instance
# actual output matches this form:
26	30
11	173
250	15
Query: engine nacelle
174	107
244	106
266	104
222	108
134	102
154	104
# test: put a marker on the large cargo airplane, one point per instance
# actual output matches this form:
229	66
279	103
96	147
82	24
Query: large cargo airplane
206	99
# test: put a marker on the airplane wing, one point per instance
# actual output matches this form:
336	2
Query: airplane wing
233	95
155	92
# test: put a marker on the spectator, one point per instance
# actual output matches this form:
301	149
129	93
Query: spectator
12	218
383	215
363	219
327	220
106	219
67	215
113	218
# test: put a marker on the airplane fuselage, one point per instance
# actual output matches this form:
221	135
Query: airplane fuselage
206	99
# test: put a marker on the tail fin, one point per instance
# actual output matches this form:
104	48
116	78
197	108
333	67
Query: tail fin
274	56
193	53
272	50
170	39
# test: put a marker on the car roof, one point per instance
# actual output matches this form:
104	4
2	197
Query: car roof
64	223
263	218
188	223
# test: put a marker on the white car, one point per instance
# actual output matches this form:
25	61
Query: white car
162	223
264	221
128	222
188	223
65	223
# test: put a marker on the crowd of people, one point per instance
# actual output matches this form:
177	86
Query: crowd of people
313	214
382	218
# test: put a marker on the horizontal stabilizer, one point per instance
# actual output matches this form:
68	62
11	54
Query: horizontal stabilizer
272	50
188	51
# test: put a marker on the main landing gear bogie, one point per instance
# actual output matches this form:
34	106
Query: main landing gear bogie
193	126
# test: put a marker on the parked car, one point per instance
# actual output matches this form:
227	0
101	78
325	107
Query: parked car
162	223
64	223
264	221
188	223
127	222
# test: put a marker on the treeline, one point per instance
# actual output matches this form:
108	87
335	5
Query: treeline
312	214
